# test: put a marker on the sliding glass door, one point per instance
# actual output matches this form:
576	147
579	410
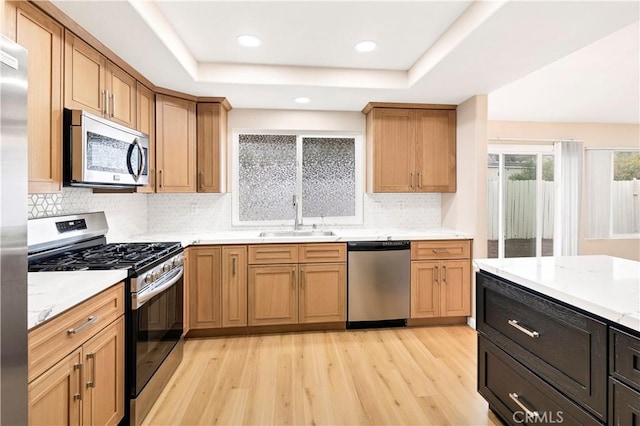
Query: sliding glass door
520	201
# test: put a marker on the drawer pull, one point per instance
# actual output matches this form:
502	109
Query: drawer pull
90	321
514	324
440	250
529	414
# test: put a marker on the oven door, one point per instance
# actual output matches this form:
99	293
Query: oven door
156	326
104	153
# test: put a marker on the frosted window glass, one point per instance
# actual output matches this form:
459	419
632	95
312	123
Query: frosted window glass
267	177
328	177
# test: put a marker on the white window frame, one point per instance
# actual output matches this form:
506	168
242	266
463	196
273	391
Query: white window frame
539	151
357	219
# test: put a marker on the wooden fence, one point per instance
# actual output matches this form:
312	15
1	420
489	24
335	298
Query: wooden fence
520	208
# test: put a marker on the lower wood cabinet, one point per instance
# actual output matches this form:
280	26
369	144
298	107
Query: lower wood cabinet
440	287
273	294
322	293
86	385
258	285
234	286
204	287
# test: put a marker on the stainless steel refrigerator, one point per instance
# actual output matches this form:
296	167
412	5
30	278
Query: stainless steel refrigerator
13	233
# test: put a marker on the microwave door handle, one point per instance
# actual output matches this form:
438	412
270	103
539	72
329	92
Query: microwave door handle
142	162
136	144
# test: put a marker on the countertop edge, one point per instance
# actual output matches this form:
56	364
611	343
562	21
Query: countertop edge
52	293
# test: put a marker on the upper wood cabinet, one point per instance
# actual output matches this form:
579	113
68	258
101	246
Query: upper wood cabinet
146	121
411	149
175	144
8	19
42	37
94	84
212	138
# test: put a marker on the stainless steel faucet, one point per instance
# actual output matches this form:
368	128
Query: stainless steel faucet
297	221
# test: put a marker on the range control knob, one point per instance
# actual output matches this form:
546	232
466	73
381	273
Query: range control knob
148	279
166	267
177	261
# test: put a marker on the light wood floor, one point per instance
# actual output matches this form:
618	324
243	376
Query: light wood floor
397	376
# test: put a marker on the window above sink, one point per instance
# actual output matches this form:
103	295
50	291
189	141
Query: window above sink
323	171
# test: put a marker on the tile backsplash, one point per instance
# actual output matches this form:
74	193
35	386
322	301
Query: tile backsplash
132	214
126	213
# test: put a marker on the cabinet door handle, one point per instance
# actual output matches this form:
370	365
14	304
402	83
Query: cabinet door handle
302	278
419	180
517	326
435	270
444	274
89	321
200	180
293	279
516	398
161	179
412	185
152	178
78	395
92	383
233	266
113	104
104	103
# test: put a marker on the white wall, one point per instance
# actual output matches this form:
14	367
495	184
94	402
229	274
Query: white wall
466	209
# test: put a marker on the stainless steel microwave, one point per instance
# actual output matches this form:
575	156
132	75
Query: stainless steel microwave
99	153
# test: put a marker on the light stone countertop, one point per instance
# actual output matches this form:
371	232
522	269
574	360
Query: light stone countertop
51	293
606	286
342	235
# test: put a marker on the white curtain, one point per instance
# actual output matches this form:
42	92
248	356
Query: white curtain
568	176
598	194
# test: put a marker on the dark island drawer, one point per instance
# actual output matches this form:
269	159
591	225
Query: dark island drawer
624	357
563	346
519	396
625	404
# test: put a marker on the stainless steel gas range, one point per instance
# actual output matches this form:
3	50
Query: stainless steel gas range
153	315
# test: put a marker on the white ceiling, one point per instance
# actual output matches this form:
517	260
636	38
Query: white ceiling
539	61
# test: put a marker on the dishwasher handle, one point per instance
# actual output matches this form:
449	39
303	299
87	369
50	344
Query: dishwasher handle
378	245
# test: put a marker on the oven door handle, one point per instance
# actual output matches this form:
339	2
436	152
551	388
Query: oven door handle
143	296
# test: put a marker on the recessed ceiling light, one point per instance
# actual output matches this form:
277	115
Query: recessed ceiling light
248	40
302	100
366	46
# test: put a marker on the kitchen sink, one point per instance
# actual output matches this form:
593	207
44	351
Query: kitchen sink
296	234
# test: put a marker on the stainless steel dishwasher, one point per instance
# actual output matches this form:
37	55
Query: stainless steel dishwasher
379	283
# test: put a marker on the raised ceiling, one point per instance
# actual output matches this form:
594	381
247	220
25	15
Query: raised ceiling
428	51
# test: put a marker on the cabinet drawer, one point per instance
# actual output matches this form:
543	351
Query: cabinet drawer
324	252
454	249
624	357
625	404
273	253
56	338
511	390
563	346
